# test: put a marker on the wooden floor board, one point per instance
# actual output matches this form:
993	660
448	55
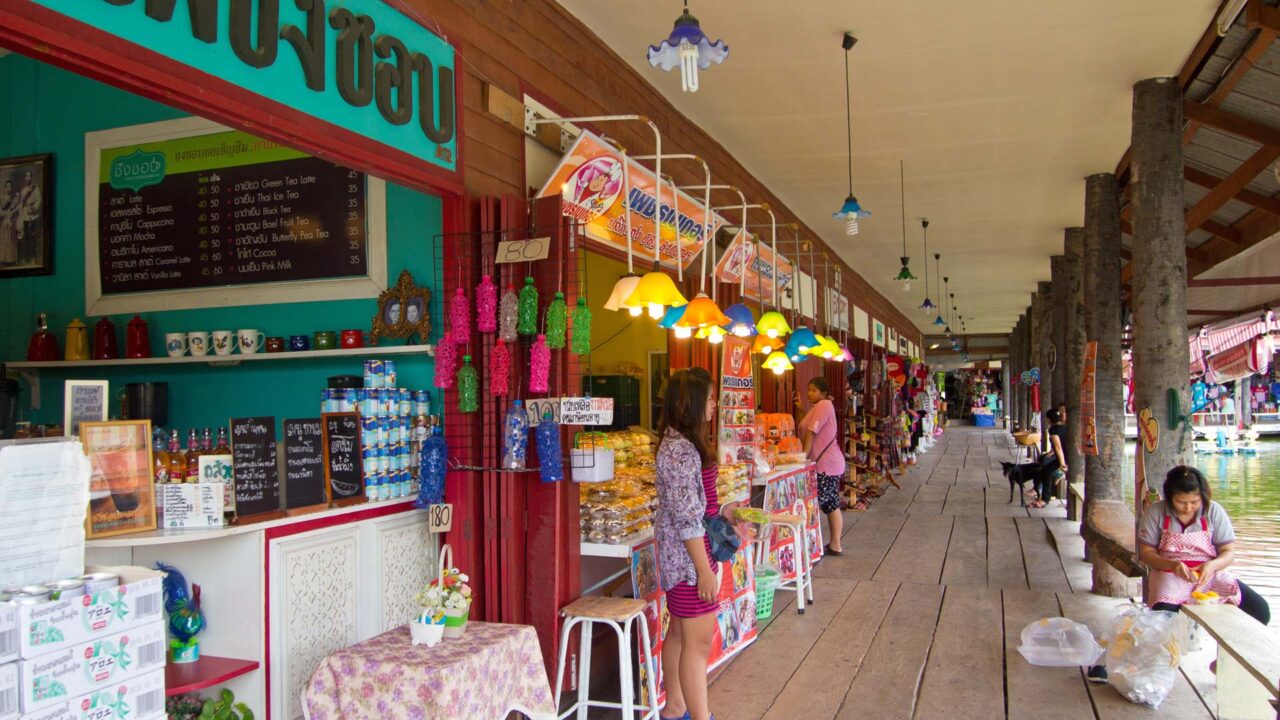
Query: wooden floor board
966	561
918	552
1005	565
966	500
1044	567
1038	693
865	546
964	677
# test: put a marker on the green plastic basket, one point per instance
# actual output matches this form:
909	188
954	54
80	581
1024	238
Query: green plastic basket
766	584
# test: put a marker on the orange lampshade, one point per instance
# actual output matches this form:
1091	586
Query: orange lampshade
765	345
702	312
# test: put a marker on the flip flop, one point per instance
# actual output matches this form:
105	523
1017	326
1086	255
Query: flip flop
829	551
685	716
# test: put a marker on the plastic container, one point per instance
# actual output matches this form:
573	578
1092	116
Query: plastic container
766	585
592	465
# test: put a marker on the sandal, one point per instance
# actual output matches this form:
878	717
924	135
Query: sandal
829	551
685	716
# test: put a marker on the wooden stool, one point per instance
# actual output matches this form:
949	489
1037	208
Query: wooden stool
803	583
619	614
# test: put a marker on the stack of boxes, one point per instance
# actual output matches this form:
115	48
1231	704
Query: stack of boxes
97	655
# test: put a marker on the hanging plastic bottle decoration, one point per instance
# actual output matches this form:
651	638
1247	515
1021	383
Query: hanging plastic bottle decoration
528	310
431	469
468	387
446	364
486	305
539	365
557	317
508	309
515	437
549	458
499	369
460	317
581	340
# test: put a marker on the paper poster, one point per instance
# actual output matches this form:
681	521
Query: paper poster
44	490
758	258
736	439
795	492
645	586
861	323
736	619
589	182
1088	408
878	333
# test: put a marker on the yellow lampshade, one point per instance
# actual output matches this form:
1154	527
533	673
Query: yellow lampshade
773	325
655	291
831	349
778	363
622	290
702	312
766	345
683	333
816	349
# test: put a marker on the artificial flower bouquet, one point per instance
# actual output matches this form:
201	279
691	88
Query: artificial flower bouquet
446	600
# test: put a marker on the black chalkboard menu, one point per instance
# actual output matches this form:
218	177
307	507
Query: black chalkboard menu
304	482
275	218
343	465
253	454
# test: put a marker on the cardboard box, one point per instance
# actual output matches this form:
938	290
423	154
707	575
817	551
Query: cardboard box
98	663
136	698
8	632
8	691
58	624
194	505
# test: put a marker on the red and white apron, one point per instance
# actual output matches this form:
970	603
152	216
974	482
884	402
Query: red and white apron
1192	549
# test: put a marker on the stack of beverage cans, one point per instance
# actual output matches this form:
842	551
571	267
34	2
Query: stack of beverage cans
386	417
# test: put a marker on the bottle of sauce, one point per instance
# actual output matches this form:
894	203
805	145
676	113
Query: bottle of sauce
193	457
223	448
177	461
160	473
206	442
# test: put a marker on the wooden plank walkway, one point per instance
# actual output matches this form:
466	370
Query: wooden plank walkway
921	617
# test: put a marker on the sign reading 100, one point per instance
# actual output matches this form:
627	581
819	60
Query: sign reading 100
373	54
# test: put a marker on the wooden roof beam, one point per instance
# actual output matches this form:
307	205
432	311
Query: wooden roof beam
1234	124
1260	16
1231	185
1255	199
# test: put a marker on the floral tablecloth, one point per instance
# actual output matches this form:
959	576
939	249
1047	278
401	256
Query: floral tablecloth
485	674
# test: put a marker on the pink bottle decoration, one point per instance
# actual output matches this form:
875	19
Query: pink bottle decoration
446	364
460	317
499	369
539	365
486	305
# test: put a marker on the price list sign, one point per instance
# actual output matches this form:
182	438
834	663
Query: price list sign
226	209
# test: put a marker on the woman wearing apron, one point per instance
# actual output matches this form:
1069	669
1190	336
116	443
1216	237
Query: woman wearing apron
1187	541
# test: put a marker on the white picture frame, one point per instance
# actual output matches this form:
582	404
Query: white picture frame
354	288
861	323
84	401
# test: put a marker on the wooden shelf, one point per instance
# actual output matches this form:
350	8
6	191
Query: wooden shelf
227	360
206	672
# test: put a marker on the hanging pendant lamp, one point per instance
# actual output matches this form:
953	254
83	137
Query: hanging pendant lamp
942	299
851	211
765	345
656	291
778	363
687	47
904	275
626	285
742	322
927	307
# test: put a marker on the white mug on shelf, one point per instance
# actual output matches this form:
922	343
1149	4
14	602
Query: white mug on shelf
175	344
251	341
199	343
223	342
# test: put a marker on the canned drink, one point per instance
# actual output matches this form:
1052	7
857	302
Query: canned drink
390	402
405	480
374	373
389	373
369	455
406	403
384	459
393	432
421	402
73	587
30	595
371	487
99	581
368	431
342	400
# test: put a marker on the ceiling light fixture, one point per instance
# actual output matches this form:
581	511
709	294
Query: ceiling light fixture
851	210
927	307
904	275
689	48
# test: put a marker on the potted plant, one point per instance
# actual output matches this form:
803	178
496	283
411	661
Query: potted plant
447	594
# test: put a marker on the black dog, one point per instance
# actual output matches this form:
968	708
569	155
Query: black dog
1020	475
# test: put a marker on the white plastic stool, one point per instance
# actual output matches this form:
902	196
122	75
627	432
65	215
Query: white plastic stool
803	583
619	614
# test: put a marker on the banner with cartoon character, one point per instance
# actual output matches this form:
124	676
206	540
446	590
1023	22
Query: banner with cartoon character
746	250
794	492
589	182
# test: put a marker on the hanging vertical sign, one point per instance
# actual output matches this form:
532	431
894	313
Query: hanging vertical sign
737	435
1088	408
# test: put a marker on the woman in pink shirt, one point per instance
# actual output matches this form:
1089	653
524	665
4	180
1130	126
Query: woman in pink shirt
820	433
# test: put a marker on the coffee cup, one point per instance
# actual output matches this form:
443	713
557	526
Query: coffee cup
325	340
352	339
250	341
199	343
175	344
298	343
275	344
223	342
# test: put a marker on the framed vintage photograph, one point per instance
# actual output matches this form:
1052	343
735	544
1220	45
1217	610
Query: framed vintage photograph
83	401
877	335
26	216
403	312
121	495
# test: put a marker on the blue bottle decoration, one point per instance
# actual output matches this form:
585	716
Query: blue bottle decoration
549	457
431	469
515	437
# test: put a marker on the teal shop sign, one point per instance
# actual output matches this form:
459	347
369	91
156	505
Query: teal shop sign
358	64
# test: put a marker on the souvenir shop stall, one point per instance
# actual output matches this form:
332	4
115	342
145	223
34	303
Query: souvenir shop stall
978	395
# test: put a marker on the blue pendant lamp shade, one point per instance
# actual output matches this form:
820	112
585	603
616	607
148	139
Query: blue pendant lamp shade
800	342
851	211
742	323
688	48
794	352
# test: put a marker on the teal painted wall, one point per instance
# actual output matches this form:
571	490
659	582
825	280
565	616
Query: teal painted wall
46	110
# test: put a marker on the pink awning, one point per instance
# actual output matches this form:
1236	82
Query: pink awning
1197	355
1217	340
1243	360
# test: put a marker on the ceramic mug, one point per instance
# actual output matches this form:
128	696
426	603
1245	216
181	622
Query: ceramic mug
175	344
325	340
223	342
199	343
275	344
250	341
352	339
298	343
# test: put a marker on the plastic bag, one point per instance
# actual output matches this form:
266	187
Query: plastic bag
1144	647
1058	642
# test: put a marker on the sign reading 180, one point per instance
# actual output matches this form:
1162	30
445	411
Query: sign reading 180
375	56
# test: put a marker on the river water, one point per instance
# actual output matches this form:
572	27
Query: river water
1248	487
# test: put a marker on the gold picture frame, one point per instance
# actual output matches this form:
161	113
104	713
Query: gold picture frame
403	311
121	484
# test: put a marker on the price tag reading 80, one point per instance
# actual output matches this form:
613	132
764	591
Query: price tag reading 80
518	251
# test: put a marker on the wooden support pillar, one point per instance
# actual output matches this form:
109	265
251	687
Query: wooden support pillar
1071	356
1024	345
1015	363
1043	310
1160	354
1058	337
1103	474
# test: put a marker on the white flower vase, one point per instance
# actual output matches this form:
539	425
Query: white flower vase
455	621
425	633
